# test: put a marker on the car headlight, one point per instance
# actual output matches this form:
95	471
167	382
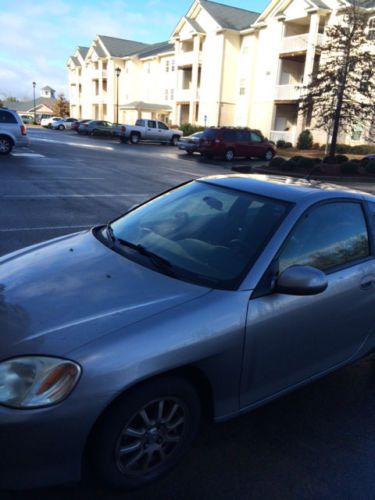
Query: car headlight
35	381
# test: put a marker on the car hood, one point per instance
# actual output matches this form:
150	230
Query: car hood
59	295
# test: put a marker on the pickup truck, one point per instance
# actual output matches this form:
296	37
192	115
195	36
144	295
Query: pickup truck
147	130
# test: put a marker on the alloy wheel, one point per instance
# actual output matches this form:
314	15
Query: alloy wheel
151	436
5	146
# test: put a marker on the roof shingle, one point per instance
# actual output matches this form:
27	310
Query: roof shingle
117	47
230	17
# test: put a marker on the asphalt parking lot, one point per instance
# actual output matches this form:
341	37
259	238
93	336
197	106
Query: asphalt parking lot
317	443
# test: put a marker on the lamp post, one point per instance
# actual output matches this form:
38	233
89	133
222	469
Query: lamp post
118	72
34	85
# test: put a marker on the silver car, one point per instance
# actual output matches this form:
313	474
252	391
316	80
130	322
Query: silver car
12	131
207	301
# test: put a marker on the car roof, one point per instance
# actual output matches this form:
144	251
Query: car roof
285	188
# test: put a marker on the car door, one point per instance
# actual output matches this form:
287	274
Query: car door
151	130
290	339
163	132
255	147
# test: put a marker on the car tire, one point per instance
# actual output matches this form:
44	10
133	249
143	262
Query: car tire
135	138
6	145
268	155
61	127
145	433
229	154
175	140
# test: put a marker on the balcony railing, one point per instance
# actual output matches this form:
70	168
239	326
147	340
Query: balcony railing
281	135
288	92
297	43
186	95
189	58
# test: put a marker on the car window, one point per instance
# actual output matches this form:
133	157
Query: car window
140	123
210	134
6	117
327	236
230	135
244	135
162	126
151	123
209	234
255	137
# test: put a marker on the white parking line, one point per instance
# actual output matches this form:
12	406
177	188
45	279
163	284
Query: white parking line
76	144
45	228
28	155
26	196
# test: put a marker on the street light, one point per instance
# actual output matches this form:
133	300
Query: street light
34	84
118	72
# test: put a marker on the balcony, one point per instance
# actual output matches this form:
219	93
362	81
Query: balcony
281	135
186	95
297	43
288	92
185	59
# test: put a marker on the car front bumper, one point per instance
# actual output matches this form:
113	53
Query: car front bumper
43	446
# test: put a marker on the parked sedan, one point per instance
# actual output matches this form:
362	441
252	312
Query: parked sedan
96	127
190	144
209	300
47	122
75	125
63	124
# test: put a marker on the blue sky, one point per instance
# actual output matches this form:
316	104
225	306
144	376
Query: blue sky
37	36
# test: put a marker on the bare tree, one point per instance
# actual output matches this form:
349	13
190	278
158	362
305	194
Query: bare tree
341	95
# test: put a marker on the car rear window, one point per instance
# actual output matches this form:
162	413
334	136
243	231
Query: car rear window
210	134
6	117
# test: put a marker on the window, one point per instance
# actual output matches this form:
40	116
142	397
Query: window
255	137
166	93
148	68
327	236
6	117
167	66
151	124
173	65
242	86
140	123
172	94
244	135
371	29
162	126
230	135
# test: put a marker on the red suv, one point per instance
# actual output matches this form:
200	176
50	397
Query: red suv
230	142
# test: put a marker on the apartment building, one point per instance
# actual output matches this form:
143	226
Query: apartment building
222	66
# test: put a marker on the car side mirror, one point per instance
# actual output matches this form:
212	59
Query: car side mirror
301	280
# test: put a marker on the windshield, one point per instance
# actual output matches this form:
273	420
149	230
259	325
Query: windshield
208	234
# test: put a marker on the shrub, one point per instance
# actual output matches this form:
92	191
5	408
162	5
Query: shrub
290	165
363	149
308	163
316	145
350	167
370	167
305	140
189	129
341	158
277	161
288	145
330	160
281	144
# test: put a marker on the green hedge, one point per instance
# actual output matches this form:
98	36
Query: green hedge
359	149
305	140
281	144
189	129
350	167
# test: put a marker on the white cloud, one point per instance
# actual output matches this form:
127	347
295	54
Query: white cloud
36	38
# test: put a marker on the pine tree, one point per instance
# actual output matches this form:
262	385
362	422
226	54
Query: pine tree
61	106
341	95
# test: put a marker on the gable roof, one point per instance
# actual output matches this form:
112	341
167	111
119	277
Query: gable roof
195	25
156	48
47	87
366	4
117	47
83	51
27	106
230	17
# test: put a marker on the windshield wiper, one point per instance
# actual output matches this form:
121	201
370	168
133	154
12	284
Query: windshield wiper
110	234
157	260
